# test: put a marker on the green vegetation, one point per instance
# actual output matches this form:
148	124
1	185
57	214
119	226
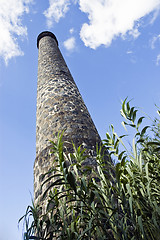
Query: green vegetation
113	201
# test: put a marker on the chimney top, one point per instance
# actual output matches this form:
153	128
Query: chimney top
46	33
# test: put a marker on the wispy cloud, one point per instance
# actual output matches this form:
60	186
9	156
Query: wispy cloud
57	9
158	60
11	27
155	15
154	40
71	30
109	19
129	52
70	44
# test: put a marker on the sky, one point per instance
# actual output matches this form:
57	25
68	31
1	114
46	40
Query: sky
112	48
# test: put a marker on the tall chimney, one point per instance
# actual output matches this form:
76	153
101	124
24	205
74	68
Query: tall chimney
59	107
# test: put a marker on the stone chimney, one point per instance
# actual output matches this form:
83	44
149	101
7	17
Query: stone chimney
59	107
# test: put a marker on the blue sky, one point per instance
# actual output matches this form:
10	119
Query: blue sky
112	48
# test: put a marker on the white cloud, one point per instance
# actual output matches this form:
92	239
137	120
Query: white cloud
155	15
70	44
152	44
134	33
154	40
158	60
11	12
57	9
75	1
71	30
109	19
129	52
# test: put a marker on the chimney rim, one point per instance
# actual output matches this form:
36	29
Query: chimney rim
44	34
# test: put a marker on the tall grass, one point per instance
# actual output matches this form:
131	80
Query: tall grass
120	201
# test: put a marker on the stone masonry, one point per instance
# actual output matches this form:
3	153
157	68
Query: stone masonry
59	107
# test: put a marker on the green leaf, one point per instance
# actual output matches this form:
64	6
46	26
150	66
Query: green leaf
124	105
128	107
71	180
108	135
50	178
153	143
118	171
158	112
120	155
83	184
131	112
139	121
123	162
156	149
141	224
141	140
134	115
144	130
123	124
56	183
134	149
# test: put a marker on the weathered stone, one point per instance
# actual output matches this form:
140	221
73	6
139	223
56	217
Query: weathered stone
59	107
